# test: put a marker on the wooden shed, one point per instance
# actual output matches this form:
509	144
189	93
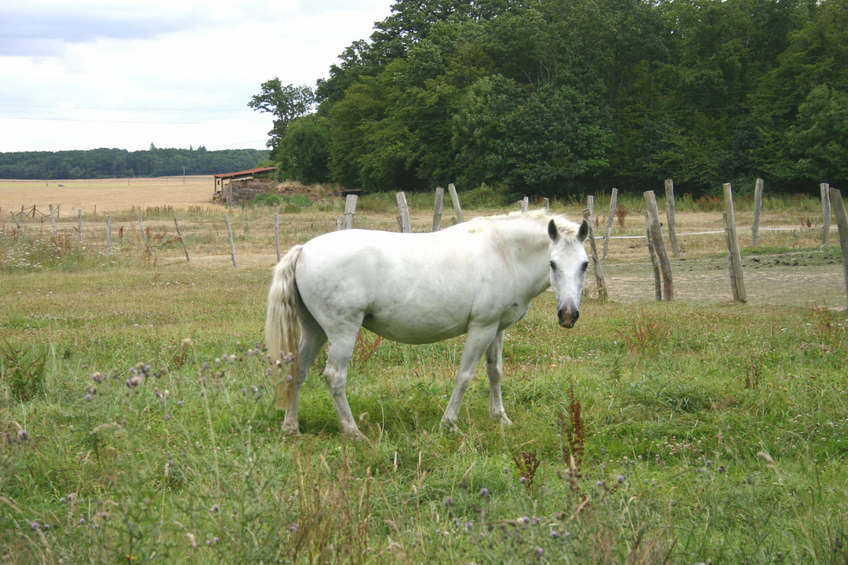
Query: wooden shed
221	193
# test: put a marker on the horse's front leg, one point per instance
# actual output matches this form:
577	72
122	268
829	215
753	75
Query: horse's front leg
476	342
494	368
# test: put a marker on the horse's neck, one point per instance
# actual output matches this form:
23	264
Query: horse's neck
527	244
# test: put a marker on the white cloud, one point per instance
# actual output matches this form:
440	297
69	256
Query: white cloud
125	74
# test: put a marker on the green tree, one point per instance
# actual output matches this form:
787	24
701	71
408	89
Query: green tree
305	149
285	103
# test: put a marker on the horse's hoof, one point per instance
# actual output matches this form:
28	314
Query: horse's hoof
353	433
449	426
290	429
502	419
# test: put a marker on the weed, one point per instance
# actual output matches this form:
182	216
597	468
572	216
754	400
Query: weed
22	370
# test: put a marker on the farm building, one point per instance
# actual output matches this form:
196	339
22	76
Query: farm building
241	186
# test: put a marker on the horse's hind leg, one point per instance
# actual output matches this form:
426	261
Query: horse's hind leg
312	339
335	373
494	368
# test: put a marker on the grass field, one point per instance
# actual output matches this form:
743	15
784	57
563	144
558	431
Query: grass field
137	422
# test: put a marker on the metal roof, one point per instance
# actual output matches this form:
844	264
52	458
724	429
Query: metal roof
245	173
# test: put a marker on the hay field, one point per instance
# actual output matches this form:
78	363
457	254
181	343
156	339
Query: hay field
108	195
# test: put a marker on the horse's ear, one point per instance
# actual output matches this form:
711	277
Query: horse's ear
553	231
584	231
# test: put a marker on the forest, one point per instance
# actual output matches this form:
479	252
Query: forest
102	163
548	97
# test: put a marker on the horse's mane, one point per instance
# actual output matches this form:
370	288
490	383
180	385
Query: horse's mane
539	216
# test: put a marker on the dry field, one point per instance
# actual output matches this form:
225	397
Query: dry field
107	195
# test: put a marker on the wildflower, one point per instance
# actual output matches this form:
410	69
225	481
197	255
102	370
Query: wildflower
22	435
167	416
469	525
620	478
87	396
244	391
484	492
522	480
524	520
187	342
539	551
449	501
81	520
293	527
214	508
62	500
254	389
35	525
179	402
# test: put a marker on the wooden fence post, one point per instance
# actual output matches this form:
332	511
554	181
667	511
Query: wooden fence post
613	203
655	264
79	224
17	223
403	219
143	234
659	246
825	202
230	235
108	233
590	205
547	203
349	211
180	236
596	262
277	233
669	215
438	206
758	206
842	222
457	209
53	221
737	281
524	204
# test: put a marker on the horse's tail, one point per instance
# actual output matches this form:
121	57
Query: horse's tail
282	325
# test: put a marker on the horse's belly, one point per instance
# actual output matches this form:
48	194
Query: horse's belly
412	331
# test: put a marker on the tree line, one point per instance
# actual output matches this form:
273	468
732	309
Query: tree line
103	163
557	98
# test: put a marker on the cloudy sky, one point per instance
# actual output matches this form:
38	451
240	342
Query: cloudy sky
83	74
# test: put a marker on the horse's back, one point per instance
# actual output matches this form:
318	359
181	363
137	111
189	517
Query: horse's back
413	288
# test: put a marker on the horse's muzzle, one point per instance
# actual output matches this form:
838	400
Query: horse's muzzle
568	315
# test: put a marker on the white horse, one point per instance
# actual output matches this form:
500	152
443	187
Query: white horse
476	277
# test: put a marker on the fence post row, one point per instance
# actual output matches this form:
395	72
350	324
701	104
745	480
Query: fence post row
842	223
669	214
758	205
403	219
825	202
438	206
108	233
349	211
655	233
613	203
182	242
655	264
230	235
53	221
457	209
596	262
737	282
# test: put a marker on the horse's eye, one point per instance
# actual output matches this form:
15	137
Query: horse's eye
553	266
584	266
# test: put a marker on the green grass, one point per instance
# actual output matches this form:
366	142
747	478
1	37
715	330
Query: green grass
708	433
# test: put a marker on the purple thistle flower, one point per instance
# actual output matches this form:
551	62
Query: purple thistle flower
620	478
539	551
214	508
81	520
35	525
293	527
484	492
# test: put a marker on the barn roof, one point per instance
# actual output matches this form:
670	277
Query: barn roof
245	173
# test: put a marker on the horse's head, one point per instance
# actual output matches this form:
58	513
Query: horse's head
568	271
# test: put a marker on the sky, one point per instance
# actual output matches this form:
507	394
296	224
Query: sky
85	74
